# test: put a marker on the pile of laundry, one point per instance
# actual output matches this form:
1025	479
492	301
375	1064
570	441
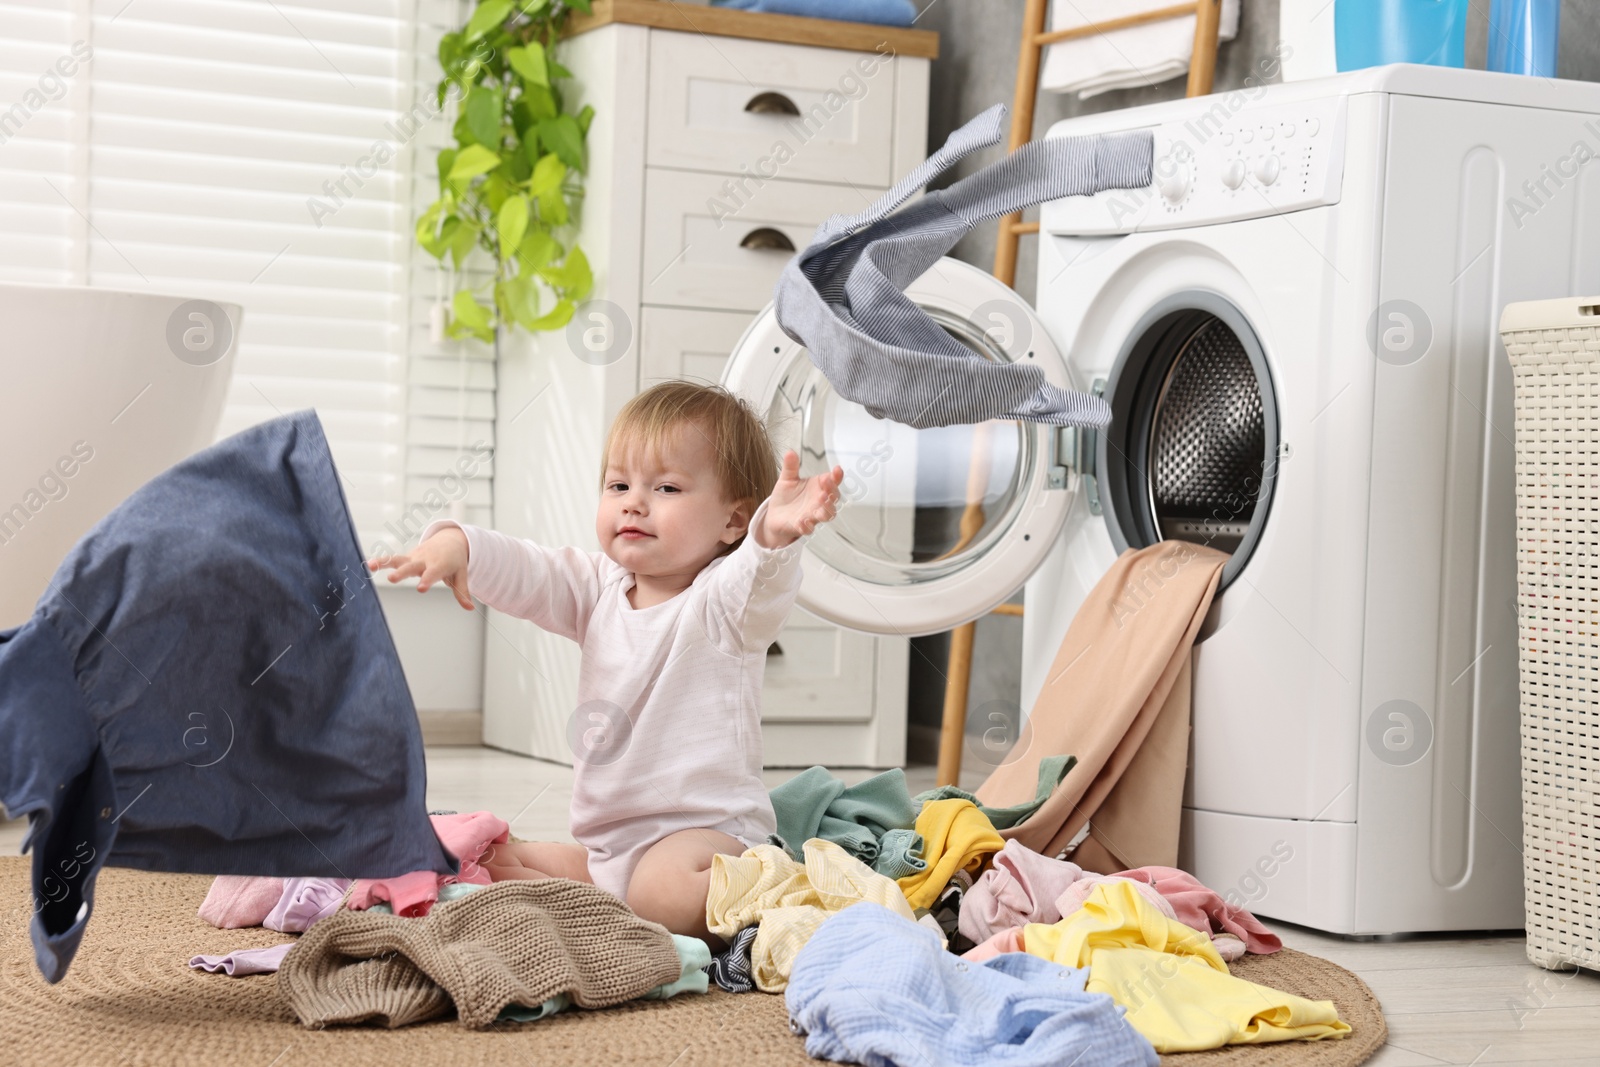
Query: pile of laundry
898	900
890	899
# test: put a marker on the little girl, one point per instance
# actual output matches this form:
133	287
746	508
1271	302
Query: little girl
698	566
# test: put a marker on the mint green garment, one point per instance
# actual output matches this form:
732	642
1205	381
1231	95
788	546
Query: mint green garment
816	804
900	854
1051	770
693	954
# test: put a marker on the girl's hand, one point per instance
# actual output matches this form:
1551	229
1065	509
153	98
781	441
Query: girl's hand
441	558
797	505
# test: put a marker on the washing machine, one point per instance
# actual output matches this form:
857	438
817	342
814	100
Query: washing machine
1294	326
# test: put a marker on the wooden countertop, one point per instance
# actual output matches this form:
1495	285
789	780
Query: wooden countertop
731	22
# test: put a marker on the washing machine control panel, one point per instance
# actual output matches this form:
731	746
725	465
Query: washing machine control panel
1222	160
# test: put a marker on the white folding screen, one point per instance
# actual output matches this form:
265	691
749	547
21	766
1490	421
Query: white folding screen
273	153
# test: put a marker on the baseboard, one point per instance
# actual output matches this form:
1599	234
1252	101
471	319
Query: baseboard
451	727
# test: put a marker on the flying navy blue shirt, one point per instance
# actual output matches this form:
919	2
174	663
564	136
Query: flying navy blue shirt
209	686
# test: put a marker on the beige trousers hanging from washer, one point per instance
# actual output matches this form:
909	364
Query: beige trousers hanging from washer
1117	697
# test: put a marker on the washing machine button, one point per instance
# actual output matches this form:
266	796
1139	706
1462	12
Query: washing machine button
1246	136
1175	187
1286	128
1266	133
1267	169
1312	126
1233	173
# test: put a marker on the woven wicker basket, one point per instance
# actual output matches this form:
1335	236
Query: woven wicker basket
1554	347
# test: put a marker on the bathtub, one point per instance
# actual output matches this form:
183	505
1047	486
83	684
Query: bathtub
102	390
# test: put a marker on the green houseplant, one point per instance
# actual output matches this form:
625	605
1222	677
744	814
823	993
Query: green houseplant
513	181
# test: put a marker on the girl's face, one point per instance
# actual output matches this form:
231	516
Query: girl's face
665	515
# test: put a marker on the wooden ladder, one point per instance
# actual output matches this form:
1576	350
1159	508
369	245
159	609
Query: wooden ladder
1202	68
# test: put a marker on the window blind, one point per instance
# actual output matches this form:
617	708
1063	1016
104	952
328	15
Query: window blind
269	153
43	119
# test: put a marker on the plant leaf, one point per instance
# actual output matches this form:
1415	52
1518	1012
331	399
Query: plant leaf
558	71
427	230
511	224
580	5
529	62
446	160
519	300
537	249
490	14
564	138
532	7
541	102
472	161
584	118
471	315
547	175
573	275
483	112
459	238
557	317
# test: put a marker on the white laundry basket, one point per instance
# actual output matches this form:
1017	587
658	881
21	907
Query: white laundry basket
1554	346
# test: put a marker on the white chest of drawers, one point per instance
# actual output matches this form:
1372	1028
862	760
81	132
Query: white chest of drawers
714	153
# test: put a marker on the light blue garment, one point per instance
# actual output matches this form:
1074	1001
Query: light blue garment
693	954
870	987
882	12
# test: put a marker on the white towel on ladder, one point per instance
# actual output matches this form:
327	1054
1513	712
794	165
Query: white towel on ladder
1125	58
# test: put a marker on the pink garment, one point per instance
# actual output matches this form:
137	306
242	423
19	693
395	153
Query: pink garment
1228	947
466	837
238	900
1003	941
1199	907
1020	887
304	901
244	961
1074	895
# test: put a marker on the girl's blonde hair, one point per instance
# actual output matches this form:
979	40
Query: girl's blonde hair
746	466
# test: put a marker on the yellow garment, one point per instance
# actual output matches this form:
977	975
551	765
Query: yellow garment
956	836
1176	989
790	902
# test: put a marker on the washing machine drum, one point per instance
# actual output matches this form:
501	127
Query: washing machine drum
1192	448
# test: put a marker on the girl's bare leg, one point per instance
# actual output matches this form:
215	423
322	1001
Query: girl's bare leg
670	884
537	859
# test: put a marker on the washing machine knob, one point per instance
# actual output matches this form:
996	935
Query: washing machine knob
1233	173
1267	169
1175	186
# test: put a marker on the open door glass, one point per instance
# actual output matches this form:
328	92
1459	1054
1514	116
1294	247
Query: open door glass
936	526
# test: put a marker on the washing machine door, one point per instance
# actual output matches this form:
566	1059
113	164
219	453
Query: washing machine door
936	526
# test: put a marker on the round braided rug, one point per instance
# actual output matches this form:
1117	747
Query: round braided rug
131	1000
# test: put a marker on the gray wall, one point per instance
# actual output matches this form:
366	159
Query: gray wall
976	68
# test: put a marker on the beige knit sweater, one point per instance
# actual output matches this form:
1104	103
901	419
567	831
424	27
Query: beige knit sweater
513	942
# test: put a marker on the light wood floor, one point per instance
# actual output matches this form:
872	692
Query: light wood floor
1448	1000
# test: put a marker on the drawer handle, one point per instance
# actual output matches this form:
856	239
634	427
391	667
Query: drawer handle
770	103
767	238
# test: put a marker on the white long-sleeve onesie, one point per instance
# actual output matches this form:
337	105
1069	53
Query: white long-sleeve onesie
667	732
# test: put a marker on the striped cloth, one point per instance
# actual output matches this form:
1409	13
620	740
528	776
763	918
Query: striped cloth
843	297
789	901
